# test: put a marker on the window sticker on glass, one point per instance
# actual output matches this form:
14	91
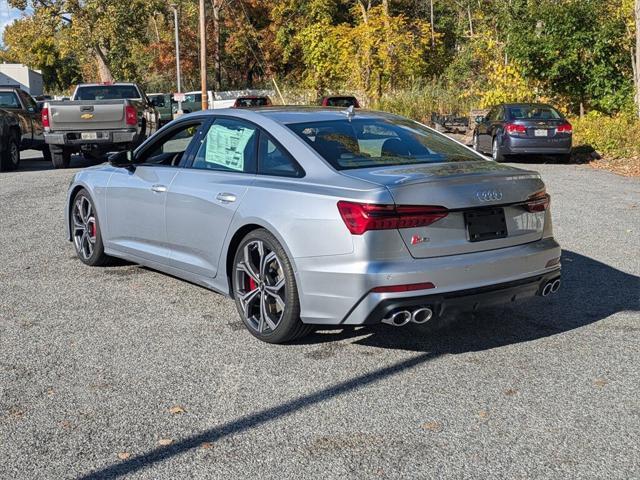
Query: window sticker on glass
225	146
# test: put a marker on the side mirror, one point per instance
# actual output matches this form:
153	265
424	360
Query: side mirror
479	119
122	159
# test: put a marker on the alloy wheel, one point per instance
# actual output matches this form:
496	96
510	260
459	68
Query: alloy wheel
14	154
84	227
260	287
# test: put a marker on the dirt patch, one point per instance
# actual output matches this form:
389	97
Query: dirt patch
629	167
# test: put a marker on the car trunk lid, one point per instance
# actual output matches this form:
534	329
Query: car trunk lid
485	203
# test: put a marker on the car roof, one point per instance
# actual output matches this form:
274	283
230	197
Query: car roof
525	104
302	114
107	84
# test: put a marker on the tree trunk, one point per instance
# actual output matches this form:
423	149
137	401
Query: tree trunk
433	37
103	67
637	69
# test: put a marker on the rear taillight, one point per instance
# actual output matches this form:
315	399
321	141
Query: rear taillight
403	288
131	115
515	129
362	217
45	117
538	202
564	128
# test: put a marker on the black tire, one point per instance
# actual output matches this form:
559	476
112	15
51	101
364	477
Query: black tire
474	143
563	158
46	153
80	223
60	157
288	325
10	156
496	151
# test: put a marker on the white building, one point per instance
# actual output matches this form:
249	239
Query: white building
17	74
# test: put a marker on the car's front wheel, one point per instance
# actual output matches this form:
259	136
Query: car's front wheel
265	289
475	144
85	231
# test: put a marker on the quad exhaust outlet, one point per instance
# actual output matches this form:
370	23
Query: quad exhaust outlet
400	318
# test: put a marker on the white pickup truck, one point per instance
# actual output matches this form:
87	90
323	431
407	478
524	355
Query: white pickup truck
99	118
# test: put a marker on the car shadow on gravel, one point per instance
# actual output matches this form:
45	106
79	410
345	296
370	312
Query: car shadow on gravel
38	163
591	291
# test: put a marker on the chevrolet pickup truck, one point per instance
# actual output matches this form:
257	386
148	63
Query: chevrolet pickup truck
20	126
99	118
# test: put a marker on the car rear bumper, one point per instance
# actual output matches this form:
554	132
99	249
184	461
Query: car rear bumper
467	300
541	146
105	137
338	290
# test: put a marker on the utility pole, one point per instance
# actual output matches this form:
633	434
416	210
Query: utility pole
217	6
175	26
203	57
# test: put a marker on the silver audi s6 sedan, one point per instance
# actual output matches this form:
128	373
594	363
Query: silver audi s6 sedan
310	216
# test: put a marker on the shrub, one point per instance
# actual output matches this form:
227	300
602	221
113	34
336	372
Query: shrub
615	137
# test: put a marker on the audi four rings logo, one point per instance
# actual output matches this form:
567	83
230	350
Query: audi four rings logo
489	195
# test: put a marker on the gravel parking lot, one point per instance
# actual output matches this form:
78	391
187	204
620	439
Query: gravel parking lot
124	371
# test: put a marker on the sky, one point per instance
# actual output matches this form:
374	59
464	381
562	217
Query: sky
7	16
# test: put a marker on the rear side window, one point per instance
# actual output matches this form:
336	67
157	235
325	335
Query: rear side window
9	100
534	112
373	142
228	146
107	92
274	160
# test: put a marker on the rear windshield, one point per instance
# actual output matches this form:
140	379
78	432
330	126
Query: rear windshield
107	92
533	112
252	102
363	143
341	102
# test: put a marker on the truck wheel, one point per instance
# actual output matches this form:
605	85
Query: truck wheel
46	153
60	157
10	157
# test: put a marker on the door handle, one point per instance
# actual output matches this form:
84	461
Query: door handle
159	188
226	197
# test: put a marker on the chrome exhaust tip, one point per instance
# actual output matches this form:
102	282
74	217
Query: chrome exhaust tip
398	319
555	286
546	290
422	315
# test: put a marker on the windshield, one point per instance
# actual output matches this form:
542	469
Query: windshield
533	112
107	92
363	143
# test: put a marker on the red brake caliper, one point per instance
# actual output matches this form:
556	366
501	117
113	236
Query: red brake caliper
92	229
252	283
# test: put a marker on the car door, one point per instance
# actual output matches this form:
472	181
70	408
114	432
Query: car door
136	196
34	118
204	196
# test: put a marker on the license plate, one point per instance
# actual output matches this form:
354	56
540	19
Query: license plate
485	224
89	136
539	132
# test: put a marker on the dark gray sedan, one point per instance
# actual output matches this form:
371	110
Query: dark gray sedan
523	129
